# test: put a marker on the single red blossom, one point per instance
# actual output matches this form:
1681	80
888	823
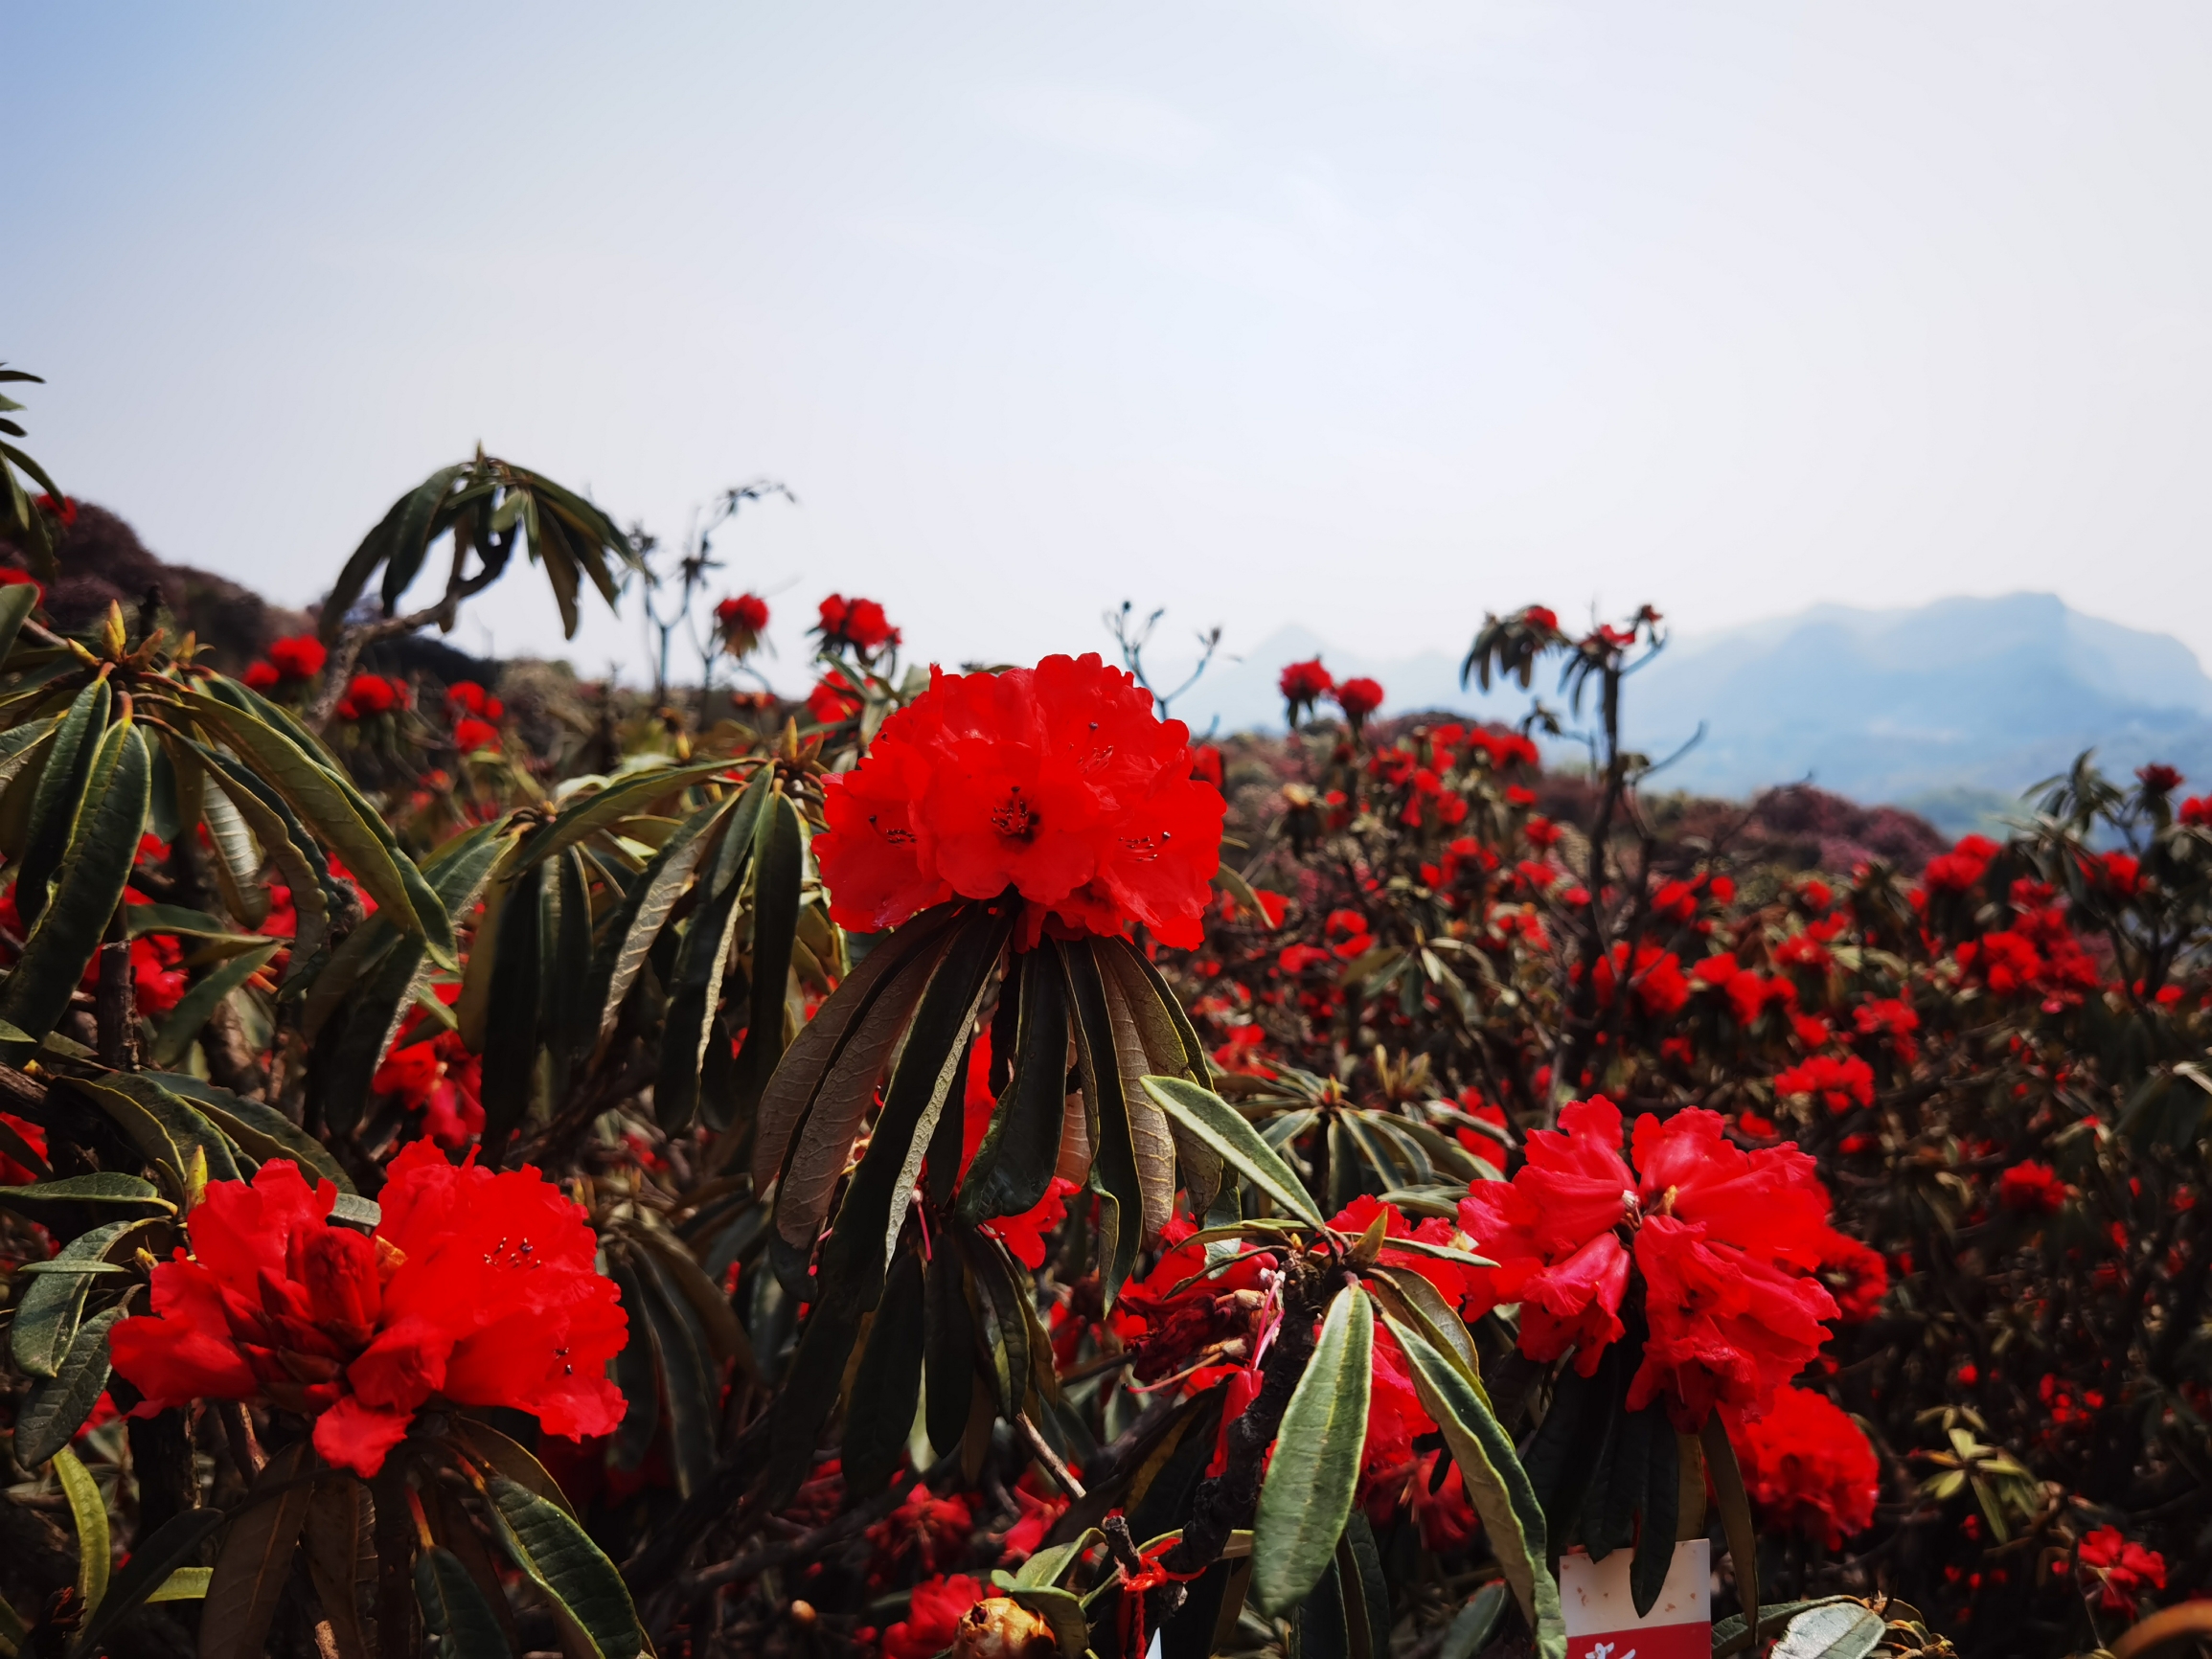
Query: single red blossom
433	1073
1837	1081
477	1288
1724	1241
2159	778
1304	685
1206	764
468	697
2032	1188
2197	811
1807	1467
858	622
1024	1235
1675	901
741	621
262	676
298	656
1962	868
1892	1018
2117	873
65	509
1537	615
1041	1505
924	1529
1358	698
471	734
370	694
1172	1314
2118	1570
1856	1276
1059	783
933	1615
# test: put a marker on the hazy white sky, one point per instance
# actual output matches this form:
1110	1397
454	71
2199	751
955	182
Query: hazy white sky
1366	315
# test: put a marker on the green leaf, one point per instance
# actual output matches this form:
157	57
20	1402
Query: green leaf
89	1511
44	1202
1573	1442
47	1313
1000	1289
1735	1505
779	865
1204	1114
1836	1631
459	1621
637	1369
1061	1609
155	1562
695	989
585	814
1014	1167
16	604
688	1375
140	919
887	1387
1497	1485
197	1006
1309	1483
93	875
341	1549
254	1561
1473	1625
511	1030
58	798
638	922
948	1351
559	1557
261	1130
1115	1170
185	1584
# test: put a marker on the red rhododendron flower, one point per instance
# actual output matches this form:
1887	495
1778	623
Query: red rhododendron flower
437	1075
371	694
1535	616
1057	783
262	676
1304	685
858	622
1654	979
1173	1312
2197	811
929	1530
2119	1570
1962	867
1358	698
1837	1081
833	700
298	657
2157	779
469	734
1725	1242
477	1288
1807	1467
468	697
742	620
12	1173
1856	1276
2032	1186
1206	764
933	1615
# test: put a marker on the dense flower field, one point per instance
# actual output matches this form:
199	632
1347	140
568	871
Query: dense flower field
954	1164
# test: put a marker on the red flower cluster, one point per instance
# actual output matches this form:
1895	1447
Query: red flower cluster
833	700
933	1615
1303	685
1057	783
468	697
433	1073
2119	1570
742	622
1726	1243
858	622
1358	698
292	661
1174	1314
1962	868
2032	1186
1654	979
477	1288
1809	1467
371	694
1837	1081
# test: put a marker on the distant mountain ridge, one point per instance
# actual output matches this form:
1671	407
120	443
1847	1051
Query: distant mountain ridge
1954	706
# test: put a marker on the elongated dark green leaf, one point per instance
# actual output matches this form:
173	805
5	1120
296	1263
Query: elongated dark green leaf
1425	1310
340	815
16	604
261	1131
55	804
950	1352
1473	1625
88	1509
1497	1485
1366	1593
341	1548
1114	1156
1735	1505
47	1313
173	1544
688	1375
1309	1483
559	1557
1001	1287
812	1109
636	1370
168	1129
1321	1629
691	1024
779	862
585	814
1574	1442
888	1384
1205	1115
44	1201
255	1561
101	855
197	1006
1151	1144
459	1621
511	1031
570	1016
1014	1167
638	922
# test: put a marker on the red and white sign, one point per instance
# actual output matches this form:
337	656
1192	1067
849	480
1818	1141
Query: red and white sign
1601	1612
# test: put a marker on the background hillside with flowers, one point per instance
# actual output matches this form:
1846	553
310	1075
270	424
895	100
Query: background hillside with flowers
497	1164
